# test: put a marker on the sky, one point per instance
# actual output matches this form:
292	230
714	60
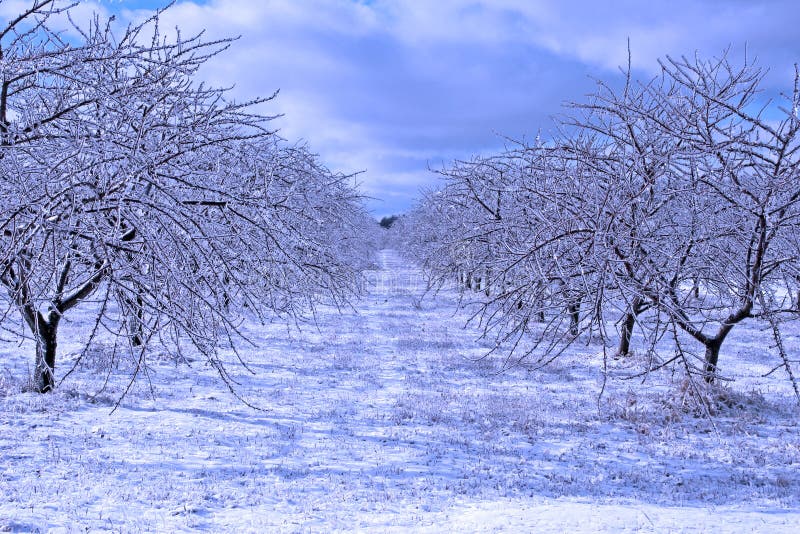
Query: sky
395	88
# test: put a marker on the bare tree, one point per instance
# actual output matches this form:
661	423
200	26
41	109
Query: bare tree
126	179
717	198
676	197
513	219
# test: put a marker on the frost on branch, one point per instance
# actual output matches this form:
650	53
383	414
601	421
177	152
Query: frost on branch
173	208
670	205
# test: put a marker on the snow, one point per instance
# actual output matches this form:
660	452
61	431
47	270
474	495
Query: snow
390	418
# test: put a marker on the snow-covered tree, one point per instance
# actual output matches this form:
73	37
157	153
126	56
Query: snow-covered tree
125	178
677	197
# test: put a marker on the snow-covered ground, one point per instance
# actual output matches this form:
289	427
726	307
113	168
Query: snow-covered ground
387	418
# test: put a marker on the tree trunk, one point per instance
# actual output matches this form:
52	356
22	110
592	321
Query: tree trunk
628	323
625	335
137	320
44	372
226	298
134	317
712	357
574	311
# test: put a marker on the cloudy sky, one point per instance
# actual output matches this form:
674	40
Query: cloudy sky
395	87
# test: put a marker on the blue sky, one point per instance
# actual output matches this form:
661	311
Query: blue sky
392	88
